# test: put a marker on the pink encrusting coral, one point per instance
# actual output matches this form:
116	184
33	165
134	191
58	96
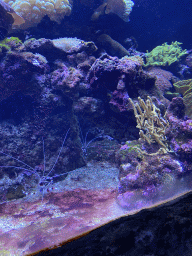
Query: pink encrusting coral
164	79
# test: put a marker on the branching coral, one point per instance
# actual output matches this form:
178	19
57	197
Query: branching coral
33	11
120	7
151	124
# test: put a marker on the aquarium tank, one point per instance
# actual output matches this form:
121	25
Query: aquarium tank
95	127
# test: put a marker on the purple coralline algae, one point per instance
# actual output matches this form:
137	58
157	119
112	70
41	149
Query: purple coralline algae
164	79
179	133
66	80
123	78
58	48
144	179
148	177
89	133
36	99
57	88
20	71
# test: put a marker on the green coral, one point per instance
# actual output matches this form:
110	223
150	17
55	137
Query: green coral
9	43
132	146
165	54
184	87
170	95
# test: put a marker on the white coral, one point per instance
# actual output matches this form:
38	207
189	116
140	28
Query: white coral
120	7
34	10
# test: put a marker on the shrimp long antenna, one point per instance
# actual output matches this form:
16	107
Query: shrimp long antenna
59	153
17	160
43	157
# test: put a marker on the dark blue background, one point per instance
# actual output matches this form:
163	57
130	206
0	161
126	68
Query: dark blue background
154	22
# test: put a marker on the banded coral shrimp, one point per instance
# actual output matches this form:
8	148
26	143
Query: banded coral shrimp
44	179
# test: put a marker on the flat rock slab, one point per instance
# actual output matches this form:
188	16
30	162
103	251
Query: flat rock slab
34	224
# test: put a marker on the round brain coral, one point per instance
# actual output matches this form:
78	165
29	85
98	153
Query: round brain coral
34	10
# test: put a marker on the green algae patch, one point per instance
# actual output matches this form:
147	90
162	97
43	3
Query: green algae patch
129	148
184	87
165	54
170	95
5	253
133	146
9	43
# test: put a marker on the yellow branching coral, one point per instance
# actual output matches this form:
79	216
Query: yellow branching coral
151	124
32	11
120	7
